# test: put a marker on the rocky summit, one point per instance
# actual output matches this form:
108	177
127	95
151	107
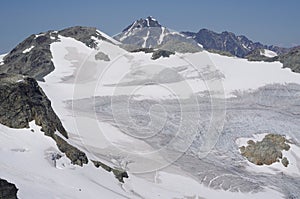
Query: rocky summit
143	23
33	57
148	33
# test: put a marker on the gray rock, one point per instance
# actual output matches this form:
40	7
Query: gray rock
102	56
75	155
156	53
148	33
290	59
119	173
285	161
238	46
37	62
7	190
84	34
22	101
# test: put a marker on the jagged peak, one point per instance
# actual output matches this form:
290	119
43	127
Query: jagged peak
143	23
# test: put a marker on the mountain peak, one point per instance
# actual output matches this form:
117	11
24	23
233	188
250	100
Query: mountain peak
143	23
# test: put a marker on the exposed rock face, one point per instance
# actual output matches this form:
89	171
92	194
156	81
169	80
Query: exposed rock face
102	56
32	57
290	59
143	23
22	101
148	33
238	46
86	35
7	190
174	45
267	151
119	173
256	55
156	53
161	53
75	155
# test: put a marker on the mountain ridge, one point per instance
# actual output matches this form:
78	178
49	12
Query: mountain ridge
237	45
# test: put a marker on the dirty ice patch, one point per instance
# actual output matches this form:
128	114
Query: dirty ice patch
169	185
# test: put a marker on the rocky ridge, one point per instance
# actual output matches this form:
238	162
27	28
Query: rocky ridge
149	33
290	59
22	101
33	57
226	41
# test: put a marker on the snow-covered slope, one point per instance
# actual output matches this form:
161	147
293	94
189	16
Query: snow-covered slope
268	53
30	165
1	58
155	119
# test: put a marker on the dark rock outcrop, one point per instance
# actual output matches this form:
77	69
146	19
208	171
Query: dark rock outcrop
22	101
75	155
102	56
161	53
143	23
256	55
238	46
7	190
32	57
119	173
267	151
84	34
156	53
290	59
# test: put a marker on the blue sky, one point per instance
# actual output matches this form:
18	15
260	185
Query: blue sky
270	22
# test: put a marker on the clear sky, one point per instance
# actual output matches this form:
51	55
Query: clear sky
268	21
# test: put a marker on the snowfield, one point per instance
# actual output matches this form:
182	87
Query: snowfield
1	58
268	53
28	49
29	164
155	118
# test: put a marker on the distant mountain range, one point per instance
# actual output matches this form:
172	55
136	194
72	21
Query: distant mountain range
238	46
141	35
149	33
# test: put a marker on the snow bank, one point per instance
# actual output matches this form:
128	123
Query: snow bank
268	53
